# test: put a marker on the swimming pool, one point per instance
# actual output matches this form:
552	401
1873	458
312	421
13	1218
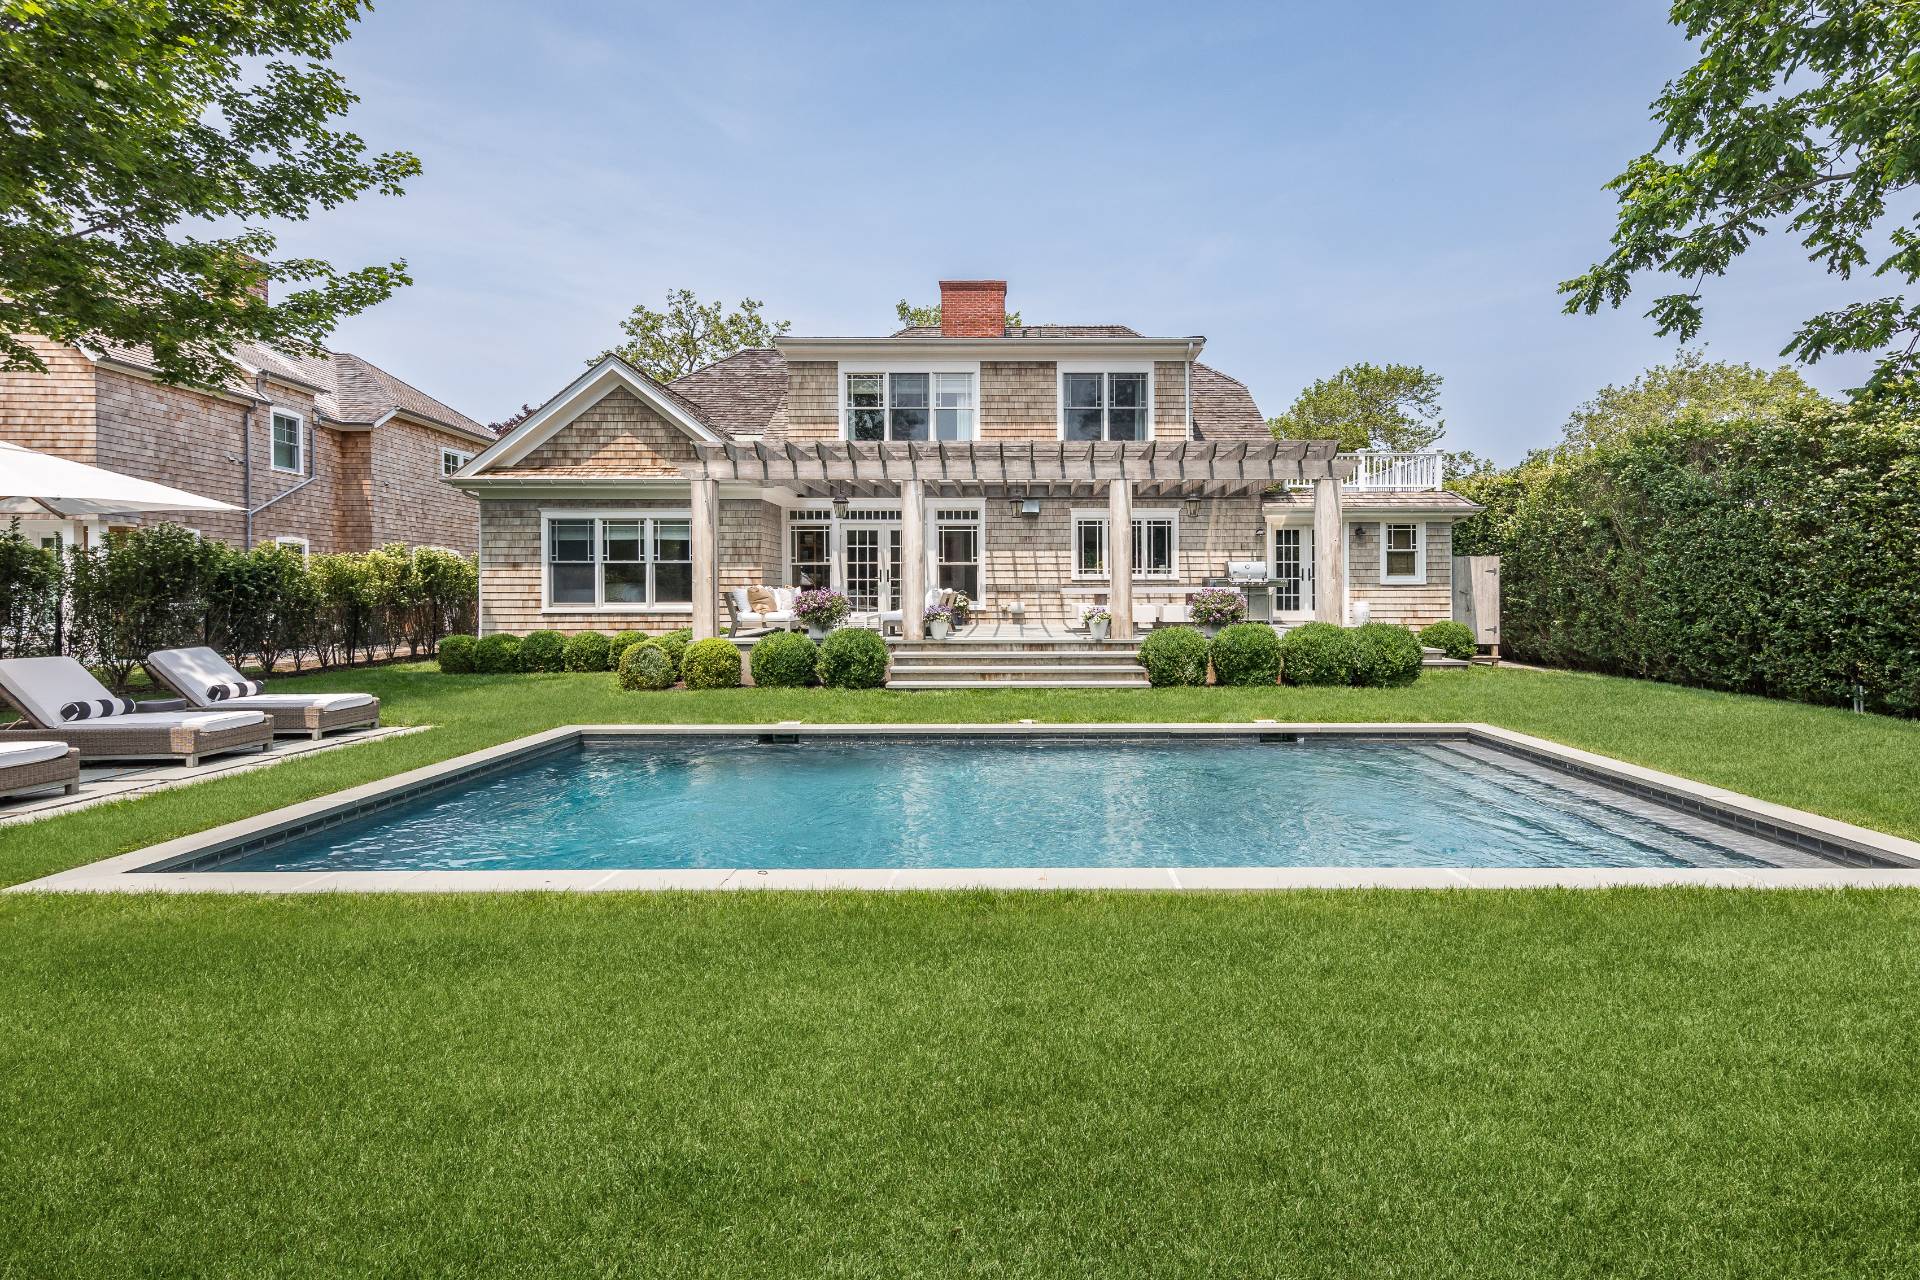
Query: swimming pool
1027	802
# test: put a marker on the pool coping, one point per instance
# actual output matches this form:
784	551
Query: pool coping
1888	860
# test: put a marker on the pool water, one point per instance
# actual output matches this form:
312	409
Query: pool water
730	803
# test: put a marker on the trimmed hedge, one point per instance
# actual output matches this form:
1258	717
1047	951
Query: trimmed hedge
619	644
543	651
1780	558
1246	653
853	658
586	652
496	654
1318	653
1385	654
456	655
1174	656
784	660
645	667
708	664
1455	639
675	643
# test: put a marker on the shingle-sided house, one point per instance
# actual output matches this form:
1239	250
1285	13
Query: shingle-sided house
328	453
978	456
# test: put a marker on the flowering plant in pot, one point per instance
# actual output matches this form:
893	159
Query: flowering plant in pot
962	609
1098	619
1217	607
820	610
939	621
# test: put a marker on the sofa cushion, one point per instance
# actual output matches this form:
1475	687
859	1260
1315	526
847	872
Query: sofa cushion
14	755
44	686
761	600
783	598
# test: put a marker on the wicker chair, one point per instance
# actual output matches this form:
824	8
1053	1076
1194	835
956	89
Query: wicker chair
38	764
41	688
195	673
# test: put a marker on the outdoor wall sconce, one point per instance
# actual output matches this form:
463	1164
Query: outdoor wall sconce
841	500
1026	507
1193	508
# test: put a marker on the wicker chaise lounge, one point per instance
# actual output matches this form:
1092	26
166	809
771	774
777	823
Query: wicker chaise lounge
48	692
36	764
208	681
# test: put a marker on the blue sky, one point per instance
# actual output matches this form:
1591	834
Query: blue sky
1308	185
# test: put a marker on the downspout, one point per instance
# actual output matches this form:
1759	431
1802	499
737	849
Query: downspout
285	493
246	474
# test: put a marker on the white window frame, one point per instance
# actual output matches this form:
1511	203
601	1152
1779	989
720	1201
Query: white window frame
293	540
1418	578
847	369
458	458
299	440
1141	515
1104	367
600	518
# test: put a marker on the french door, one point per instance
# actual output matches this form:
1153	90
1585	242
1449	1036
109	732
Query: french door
1292	573
872	566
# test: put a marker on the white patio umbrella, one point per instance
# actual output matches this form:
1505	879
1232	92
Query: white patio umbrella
34	483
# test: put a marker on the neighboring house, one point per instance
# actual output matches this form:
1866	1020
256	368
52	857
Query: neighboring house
989	459
324	454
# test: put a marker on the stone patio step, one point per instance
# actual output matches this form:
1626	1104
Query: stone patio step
1019	669
1025	682
1122	657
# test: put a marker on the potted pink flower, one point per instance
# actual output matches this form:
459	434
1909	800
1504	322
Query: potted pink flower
939	621
1217	607
820	611
1097	619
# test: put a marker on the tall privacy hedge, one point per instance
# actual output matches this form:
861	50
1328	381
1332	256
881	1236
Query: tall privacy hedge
159	587
1777	558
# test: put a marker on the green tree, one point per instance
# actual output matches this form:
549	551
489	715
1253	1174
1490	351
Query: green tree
1691	387
689	334
132	128
1393	407
928	317
1799	114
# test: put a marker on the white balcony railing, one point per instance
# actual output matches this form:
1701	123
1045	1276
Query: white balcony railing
1394	470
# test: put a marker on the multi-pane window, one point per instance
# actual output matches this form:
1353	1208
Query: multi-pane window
1403	553
956	547
1155	546
619	562
1104	406
286	441
451	460
910	406
810	553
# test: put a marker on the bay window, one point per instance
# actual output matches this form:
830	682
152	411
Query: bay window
909	406
1156	545
619	561
1104	405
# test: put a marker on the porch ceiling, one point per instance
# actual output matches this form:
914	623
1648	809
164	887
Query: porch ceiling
1157	469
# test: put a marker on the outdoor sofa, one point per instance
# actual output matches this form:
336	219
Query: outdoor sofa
35	764
59	699
760	608
208	681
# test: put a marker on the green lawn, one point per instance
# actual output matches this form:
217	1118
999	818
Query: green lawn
1627	1082
1859	768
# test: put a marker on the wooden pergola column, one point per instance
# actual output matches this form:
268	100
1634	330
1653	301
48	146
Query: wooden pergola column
1120	558
1329	553
705	537
913	559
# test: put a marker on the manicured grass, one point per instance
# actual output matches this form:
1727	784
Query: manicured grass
1858	768
1632	1083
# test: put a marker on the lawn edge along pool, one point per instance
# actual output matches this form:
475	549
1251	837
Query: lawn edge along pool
1860	857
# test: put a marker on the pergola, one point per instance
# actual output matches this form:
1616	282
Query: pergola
914	471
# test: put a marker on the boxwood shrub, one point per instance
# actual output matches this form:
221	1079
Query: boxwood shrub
586	652
619	644
1455	639
496	654
708	664
1384	654
675	643
543	651
1246	653
456	655
1174	656
1317	653
645	666
784	660
853	658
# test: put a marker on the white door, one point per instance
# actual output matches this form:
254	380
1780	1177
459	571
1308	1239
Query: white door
1292	567
872	577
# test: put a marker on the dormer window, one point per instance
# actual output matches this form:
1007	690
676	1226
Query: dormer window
909	406
1106	403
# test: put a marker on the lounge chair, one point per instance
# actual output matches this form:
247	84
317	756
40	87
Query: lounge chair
742	614
59	699
35	764
209	682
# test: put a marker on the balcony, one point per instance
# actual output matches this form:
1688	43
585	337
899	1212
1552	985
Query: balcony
1416	471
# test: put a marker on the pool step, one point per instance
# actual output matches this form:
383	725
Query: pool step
1025	664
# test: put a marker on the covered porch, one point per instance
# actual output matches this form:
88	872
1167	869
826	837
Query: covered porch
1072	493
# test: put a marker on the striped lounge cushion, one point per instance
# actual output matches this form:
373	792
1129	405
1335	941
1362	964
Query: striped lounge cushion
221	690
97	708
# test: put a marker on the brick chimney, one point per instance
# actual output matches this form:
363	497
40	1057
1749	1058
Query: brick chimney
973	308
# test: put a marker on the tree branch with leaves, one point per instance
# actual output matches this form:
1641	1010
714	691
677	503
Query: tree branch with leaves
689	334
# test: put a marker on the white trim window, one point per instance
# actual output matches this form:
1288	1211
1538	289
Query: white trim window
1403	554
1108	403
1156	544
956	549
289	540
287	441
451	460
810	550
617	563
909	405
